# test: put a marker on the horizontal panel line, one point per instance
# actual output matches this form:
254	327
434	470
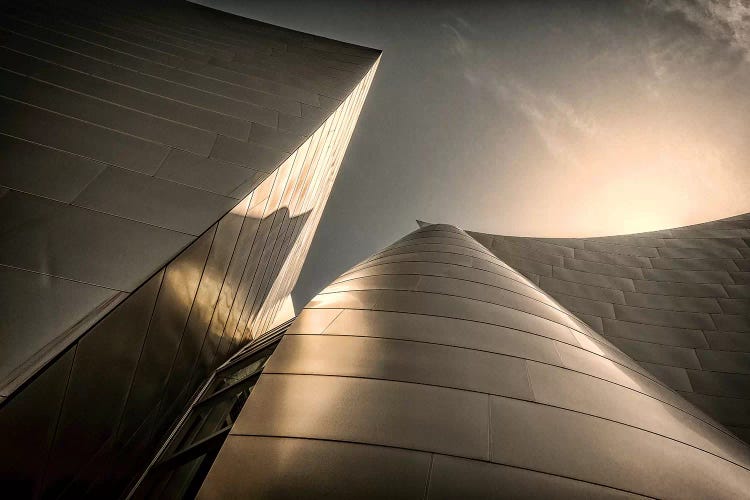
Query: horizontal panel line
656	380
531	402
561	366
374	445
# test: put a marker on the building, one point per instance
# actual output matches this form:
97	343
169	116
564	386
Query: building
164	168
435	370
676	301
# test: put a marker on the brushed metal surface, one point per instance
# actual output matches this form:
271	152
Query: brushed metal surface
671	299
158	190
505	390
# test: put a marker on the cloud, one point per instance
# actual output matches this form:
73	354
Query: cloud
459	45
556	121
722	20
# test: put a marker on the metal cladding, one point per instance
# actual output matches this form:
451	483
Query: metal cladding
164	168
433	369
677	301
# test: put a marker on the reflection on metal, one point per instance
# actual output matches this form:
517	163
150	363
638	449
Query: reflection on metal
433	369
164	169
183	461
677	301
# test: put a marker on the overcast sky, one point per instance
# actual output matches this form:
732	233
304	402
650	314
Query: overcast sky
533	118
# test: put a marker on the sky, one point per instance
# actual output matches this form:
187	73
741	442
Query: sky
532	118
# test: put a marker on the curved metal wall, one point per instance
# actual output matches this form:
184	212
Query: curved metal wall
435	370
677	301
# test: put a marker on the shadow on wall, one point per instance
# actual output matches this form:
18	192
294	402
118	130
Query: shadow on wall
94	416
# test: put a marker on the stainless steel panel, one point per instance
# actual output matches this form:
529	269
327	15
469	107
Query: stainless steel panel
581	290
49	237
732	322
247	154
437	330
704	264
729	411
105	114
403	361
599	246
496	295
586	306
682	289
279	468
35	309
378	282
673	303
208	174
601	280
154	201
549	440
734	306
27	424
675	378
276	139
250	82
102	371
313	321
230	287
419	246
44	171
665	335
679	276
124	95
165	332
733	385
460	308
613	258
297	124
677	319
591	364
502	280
208	100
697	253
453	477
244	291
410	416
604	268
654	353
582	393
78	137
189	365
158	86
447	258
442	238
729	341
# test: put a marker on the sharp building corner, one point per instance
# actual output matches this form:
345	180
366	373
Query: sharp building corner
164	169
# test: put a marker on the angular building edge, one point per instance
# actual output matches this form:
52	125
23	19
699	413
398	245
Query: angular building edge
86	413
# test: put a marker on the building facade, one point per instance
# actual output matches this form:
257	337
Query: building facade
677	301
164	168
435	370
